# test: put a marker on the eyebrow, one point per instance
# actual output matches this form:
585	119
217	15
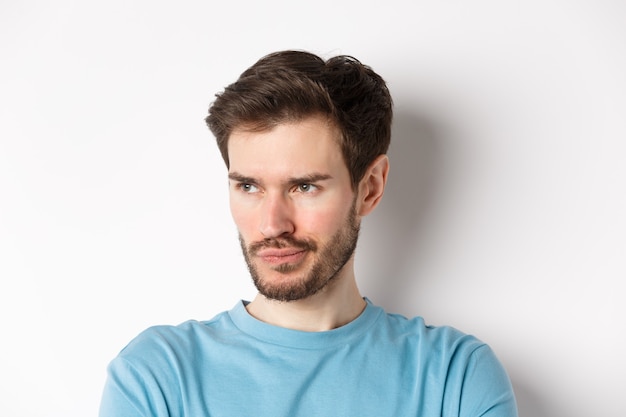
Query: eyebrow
309	178
235	176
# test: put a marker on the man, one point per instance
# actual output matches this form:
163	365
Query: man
305	143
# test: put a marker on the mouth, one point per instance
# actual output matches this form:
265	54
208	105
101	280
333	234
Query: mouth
274	256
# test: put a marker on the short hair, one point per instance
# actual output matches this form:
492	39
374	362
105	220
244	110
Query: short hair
289	86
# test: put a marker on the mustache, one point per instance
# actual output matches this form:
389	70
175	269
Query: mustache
282	242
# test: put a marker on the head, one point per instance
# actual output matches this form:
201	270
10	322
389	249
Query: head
304	141
289	86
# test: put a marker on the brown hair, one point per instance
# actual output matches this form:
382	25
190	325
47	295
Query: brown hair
289	86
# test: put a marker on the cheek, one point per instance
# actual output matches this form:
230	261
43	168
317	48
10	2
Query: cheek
242	217
322	222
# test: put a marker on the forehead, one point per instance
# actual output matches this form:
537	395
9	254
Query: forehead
293	148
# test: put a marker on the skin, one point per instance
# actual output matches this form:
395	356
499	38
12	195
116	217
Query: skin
298	219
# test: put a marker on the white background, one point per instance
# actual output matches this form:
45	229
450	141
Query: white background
504	215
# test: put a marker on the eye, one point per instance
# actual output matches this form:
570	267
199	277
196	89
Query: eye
306	188
247	187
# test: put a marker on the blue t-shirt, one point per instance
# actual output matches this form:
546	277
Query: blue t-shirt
378	365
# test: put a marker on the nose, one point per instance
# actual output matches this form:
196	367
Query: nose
276	216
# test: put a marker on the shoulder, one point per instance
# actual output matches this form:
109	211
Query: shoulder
444	347
147	373
417	330
163	341
460	357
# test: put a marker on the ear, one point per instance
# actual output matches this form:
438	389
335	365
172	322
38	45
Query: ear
372	186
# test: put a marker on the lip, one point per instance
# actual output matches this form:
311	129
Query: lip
280	256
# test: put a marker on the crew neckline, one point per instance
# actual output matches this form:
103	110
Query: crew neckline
299	339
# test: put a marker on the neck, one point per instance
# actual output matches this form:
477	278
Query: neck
335	305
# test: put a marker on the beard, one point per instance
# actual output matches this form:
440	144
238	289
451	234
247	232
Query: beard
329	260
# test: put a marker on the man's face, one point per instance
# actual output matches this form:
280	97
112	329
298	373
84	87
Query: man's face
291	198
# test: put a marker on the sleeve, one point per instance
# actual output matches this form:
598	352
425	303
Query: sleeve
129	392
487	389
